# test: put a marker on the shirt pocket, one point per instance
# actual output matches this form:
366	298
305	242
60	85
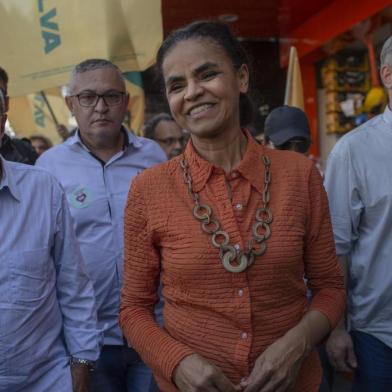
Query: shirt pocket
29	275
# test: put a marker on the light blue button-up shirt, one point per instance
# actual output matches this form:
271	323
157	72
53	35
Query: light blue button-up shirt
97	194
47	306
359	185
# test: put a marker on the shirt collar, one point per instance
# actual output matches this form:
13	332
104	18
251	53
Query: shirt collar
387	115
250	167
7	181
130	139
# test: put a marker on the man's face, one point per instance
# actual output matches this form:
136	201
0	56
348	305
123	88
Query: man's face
101	122
170	137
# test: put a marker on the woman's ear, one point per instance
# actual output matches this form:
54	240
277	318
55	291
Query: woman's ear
243	78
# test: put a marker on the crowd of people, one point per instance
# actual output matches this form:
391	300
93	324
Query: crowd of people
194	259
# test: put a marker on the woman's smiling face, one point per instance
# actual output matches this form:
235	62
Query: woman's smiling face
203	87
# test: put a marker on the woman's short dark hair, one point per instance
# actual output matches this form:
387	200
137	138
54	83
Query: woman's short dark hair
221	35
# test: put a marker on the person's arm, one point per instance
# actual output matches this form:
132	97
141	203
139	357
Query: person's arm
166	356
344	193
76	298
277	367
63	132
339	346
159	351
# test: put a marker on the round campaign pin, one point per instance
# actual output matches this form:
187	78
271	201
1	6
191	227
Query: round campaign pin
80	197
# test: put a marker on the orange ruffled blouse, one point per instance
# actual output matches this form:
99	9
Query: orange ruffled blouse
229	318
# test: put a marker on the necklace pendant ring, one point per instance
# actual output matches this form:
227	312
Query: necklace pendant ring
242	262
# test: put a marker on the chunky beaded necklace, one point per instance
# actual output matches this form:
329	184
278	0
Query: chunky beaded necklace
232	259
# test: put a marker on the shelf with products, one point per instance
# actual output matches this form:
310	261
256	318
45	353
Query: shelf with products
346	80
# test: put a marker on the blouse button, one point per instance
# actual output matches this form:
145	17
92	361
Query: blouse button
240	292
244	335
238	206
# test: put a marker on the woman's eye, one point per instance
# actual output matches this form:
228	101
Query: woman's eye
209	75
175	88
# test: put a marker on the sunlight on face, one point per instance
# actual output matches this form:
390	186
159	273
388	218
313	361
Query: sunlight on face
203	87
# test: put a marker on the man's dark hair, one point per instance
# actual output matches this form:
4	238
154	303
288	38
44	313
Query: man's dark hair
151	124
4	78
219	34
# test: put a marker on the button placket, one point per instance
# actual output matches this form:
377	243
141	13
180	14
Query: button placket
238	206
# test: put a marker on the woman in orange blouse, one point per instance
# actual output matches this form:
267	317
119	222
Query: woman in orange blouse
232	228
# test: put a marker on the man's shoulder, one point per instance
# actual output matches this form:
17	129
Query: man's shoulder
55	151
143	153
26	175
57	155
358	136
149	146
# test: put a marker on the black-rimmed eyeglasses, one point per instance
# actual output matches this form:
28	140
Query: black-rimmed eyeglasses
91	99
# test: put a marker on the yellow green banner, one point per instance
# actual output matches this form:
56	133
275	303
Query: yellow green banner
41	40
136	107
29	114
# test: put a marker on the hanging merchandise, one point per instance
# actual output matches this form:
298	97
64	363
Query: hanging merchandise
345	78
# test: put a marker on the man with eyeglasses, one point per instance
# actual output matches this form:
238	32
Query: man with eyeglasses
169	135
96	167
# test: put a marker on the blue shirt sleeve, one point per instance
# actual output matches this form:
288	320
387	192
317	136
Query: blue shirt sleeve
344	196
74	290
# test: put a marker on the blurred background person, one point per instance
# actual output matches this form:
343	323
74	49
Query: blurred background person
40	143
14	149
287	128
167	133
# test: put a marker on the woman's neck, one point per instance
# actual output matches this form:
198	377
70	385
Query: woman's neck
225	152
